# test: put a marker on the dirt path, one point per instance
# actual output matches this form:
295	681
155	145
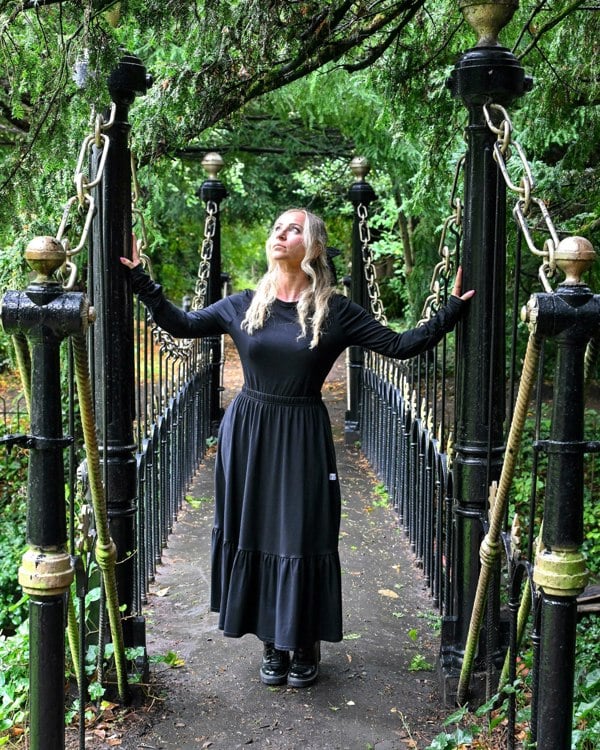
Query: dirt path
366	696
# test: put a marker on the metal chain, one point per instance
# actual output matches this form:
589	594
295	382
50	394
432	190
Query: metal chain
523	209
138	217
172	347
83	197
206	251
445	269
364	234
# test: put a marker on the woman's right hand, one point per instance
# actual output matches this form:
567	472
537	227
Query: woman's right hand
135	257
457	291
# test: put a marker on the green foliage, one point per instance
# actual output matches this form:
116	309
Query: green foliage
586	700
586	711
420	664
14	679
170	659
591	524
383	498
13	472
288	93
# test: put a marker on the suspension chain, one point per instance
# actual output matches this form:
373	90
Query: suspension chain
445	269
526	201
206	251
138	218
83	198
364	234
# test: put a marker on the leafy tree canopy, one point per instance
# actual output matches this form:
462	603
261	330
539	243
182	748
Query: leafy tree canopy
288	91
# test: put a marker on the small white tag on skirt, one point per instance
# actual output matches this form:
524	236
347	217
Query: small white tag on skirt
333	477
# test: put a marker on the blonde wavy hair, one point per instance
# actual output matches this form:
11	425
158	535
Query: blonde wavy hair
313	303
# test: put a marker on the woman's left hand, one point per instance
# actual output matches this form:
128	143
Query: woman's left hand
456	291
135	257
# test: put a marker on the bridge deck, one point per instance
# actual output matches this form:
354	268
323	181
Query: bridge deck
366	696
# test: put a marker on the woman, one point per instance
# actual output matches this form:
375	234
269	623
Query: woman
275	564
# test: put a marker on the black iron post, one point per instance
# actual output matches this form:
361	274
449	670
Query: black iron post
113	351
46	315
361	194
572	315
486	73
212	192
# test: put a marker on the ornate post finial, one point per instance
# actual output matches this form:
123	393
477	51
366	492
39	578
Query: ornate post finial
213	164
488	18
574	256
361	167
45	255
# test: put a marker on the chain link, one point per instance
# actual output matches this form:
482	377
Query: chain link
445	269
364	235
206	251
83	198
138	219
504	146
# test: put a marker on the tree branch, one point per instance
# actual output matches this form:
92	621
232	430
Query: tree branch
376	52
550	25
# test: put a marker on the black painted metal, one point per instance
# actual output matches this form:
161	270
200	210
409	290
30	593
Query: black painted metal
573	314
113	350
481	75
521	573
360	194
409	459
46	315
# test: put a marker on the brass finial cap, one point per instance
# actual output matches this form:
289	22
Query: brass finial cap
574	256
361	167
488	18
45	255
213	164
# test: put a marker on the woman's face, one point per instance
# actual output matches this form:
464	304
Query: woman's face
286	241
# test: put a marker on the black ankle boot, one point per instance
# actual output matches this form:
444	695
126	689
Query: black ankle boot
275	665
304	668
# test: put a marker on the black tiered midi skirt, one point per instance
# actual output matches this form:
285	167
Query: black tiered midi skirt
275	564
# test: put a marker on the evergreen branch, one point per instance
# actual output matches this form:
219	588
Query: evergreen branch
376	52
332	49
538	9
548	26
414	71
198	152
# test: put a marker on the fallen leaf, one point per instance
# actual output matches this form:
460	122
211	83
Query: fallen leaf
389	593
162	592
